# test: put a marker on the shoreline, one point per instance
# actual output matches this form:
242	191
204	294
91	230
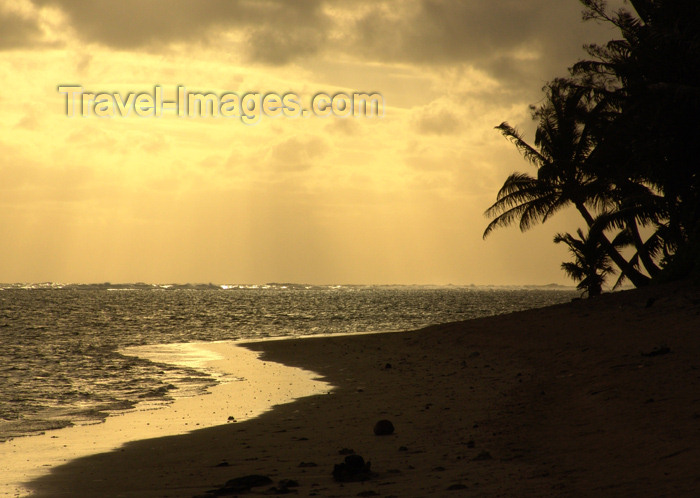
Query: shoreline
240	375
593	397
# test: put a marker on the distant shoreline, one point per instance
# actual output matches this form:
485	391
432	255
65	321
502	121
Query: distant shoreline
271	285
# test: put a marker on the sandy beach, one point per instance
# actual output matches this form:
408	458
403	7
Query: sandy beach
591	398
247	388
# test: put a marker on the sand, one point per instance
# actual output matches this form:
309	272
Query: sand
248	387
592	398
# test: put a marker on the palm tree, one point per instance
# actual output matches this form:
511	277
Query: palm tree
634	206
651	79
563	145
591	263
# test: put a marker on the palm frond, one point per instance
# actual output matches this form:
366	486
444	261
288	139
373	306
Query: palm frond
530	153
527	212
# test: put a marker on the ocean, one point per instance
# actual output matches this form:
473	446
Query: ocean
62	347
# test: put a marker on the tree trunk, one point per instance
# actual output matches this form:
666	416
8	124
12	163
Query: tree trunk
638	279
644	256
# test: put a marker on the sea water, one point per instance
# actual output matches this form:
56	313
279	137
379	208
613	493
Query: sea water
63	348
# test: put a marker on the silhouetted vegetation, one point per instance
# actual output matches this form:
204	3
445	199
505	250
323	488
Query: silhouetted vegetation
615	141
591	261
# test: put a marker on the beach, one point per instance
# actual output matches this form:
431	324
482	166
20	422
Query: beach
247	388
593	398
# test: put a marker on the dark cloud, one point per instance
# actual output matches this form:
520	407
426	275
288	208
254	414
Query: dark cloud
510	39
273	46
17	32
444	31
276	28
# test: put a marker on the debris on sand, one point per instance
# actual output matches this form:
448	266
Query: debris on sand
353	469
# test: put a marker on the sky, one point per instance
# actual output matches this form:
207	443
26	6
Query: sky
322	200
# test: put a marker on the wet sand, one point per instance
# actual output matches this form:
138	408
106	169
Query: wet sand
248	387
592	398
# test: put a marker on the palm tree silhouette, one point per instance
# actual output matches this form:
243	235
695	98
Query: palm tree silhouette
591	262
564	141
649	79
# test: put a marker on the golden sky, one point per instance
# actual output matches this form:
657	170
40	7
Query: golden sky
320	200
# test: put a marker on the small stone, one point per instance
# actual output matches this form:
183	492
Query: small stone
307	464
403	448
471	443
346	451
383	428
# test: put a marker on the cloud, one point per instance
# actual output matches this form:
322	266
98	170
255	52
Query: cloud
29	121
436	121
508	38
346	127
23	178
276	30
271	45
17	31
296	153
